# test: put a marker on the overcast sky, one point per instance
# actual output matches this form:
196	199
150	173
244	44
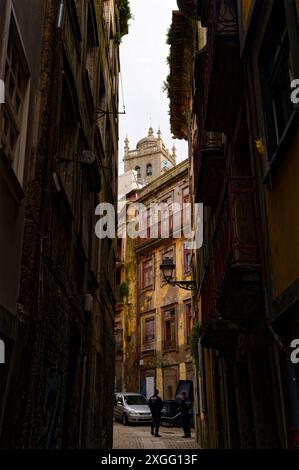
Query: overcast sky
143	56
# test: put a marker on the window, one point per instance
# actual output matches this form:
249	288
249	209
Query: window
187	258
13	120
186	212
169	327
186	195
148	333
166	215
148	222
188	320
5	368
147	274
138	170
277	72
149	169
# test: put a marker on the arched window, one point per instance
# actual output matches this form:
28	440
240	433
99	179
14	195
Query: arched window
138	169
149	169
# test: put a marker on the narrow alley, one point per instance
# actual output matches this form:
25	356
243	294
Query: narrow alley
139	437
149	225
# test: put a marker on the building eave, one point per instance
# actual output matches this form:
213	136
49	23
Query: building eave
181	37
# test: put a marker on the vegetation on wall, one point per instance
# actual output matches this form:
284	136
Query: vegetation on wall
124	289
194	337
171	37
166	83
125	15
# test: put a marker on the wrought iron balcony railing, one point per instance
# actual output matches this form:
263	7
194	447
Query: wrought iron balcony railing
235	241
174	225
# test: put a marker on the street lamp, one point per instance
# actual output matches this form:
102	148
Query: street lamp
167	267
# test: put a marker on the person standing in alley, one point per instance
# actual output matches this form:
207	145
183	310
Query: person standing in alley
156	405
185	408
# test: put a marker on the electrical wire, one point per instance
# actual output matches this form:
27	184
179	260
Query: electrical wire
122	92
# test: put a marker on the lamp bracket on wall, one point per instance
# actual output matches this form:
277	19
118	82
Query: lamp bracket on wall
99	113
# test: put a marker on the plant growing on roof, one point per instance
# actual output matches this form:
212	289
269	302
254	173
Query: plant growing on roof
125	15
171	36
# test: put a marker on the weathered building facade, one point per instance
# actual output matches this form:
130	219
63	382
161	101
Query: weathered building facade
61	79
20	52
164	320
153	319
240	121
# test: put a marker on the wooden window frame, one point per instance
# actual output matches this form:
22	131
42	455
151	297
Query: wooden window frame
183	202
15	118
165	200
186	251
148	317
170	347
151	285
187	305
274	141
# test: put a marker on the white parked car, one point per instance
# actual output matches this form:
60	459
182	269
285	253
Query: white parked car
131	408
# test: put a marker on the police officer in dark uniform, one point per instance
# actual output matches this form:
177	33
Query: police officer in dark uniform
185	408
156	405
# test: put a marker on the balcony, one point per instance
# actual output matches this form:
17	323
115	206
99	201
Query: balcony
222	80
173	225
231	288
211	167
219	334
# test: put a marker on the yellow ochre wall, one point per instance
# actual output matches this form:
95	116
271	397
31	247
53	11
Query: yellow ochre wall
167	295
283	218
162	296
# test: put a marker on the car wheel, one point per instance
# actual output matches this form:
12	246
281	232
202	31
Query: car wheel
125	420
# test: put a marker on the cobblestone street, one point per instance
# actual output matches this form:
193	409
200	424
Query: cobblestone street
139	437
